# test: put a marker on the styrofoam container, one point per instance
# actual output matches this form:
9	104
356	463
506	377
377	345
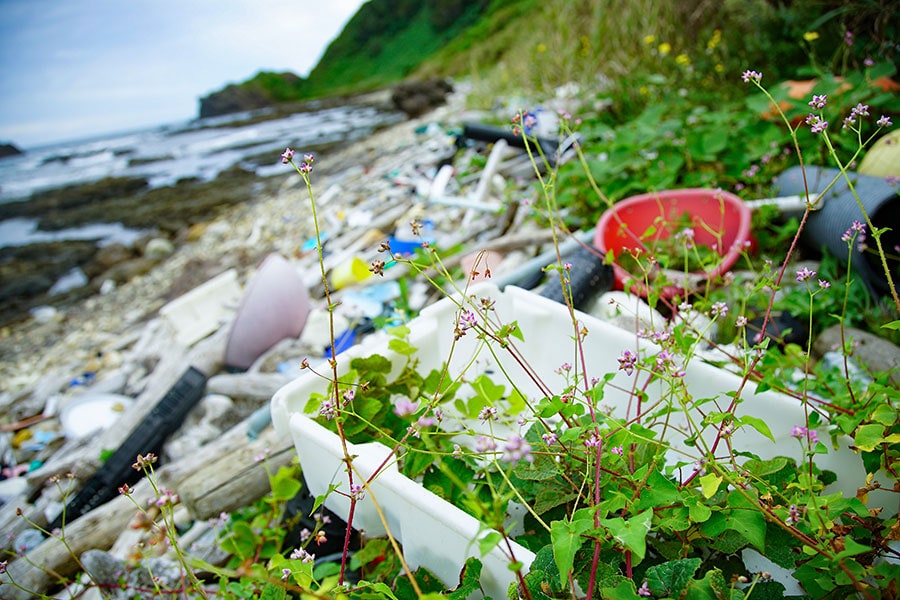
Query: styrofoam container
548	334
201	311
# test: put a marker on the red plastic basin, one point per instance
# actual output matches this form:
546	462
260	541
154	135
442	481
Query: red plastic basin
720	220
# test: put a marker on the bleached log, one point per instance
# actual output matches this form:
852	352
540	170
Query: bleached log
238	478
44	566
105	523
253	386
208	356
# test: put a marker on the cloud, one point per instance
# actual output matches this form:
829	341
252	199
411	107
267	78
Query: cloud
69	68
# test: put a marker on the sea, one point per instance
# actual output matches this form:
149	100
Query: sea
199	148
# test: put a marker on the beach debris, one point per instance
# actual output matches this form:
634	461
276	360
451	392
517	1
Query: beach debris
274	307
201	311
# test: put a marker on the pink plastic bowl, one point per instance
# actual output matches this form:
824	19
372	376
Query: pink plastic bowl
715	214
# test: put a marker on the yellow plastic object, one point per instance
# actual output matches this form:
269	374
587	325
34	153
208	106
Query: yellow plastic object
883	158
349	272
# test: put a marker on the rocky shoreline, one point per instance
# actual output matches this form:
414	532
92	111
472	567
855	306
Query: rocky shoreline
249	219
159	217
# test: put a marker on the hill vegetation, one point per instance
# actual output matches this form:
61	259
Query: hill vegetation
529	47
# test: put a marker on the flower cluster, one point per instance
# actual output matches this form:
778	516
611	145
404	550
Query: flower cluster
357	492
627	362
166	497
754	76
816	123
144	461
516	449
287	157
302	555
800	432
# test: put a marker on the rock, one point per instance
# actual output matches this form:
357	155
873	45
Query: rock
873	352
158	249
415	98
125	582
109	256
28	272
9	150
250	95
129	269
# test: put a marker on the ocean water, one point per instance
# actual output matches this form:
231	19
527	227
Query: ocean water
201	148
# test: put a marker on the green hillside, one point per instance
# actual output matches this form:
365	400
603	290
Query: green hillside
526	46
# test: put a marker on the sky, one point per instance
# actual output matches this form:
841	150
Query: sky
73	69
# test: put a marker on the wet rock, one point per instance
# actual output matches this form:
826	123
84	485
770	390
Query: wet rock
128	270
9	150
250	95
415	98
28	272
108	257
126	582
875	353
51	204
158	249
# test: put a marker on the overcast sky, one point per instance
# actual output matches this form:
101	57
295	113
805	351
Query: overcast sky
71	69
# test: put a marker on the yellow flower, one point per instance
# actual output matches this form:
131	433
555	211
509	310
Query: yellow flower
644	90
811	36
649	39
541	48
715	39
683	59
720	68
665	48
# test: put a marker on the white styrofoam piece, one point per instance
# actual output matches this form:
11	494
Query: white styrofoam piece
201	311
433	532
548	333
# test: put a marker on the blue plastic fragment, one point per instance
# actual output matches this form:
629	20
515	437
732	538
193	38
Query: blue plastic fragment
342	342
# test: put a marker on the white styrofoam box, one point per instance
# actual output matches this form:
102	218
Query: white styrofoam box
548	333
433	532
201	311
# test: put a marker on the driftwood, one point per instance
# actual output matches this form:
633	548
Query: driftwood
252	386
43	566
84	459
236	479
190	477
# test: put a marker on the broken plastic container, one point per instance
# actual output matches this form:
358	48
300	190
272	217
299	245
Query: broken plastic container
418	517
719	219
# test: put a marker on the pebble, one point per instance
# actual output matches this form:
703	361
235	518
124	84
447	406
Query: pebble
869	350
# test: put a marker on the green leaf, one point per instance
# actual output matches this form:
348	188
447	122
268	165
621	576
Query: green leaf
542	468
374	363
631	533
712	587
741	517
320	500
851	548
284	485
366	590
697	510
709	484
240	541
757	424
892	325
487	389
659	491
567	539
489	542
869	436
469	579
273	592
624	591
402	347
399	331
884	414
671	579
